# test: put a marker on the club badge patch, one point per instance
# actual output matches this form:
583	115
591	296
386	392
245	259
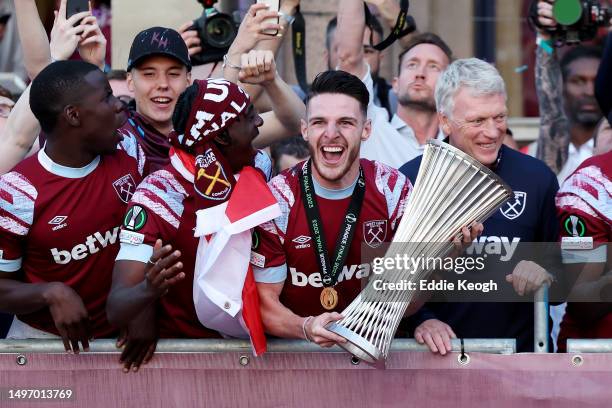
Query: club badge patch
574	226
374	232
125	187
135	219
211	180
513	209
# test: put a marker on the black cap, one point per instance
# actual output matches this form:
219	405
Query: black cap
158	41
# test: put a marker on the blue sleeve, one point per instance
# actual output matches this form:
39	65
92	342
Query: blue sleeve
548	228
548	231
424	313
411	169
603	83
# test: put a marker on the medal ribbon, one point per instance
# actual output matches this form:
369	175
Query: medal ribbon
330	272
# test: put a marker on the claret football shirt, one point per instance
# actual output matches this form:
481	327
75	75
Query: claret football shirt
61	224
284	249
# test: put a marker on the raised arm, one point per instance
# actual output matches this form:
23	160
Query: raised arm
33	37
19	134
259	68
351	26
554	137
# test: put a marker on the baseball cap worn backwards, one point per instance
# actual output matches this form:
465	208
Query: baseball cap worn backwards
158	41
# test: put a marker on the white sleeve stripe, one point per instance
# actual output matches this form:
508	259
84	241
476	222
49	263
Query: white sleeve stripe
21	205
596	255
21	183
10	225
141	253
157	208
273	274
10	265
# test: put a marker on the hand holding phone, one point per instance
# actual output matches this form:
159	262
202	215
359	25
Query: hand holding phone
76	6
273	5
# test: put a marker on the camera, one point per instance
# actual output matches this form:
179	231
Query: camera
578	20
216	31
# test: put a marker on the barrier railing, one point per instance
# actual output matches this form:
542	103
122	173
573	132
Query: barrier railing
589	345
494	346
540	320
497	346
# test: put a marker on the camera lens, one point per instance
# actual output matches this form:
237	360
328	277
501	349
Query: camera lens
567	12
220	31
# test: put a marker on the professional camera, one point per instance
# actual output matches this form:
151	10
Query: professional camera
216	31
578	20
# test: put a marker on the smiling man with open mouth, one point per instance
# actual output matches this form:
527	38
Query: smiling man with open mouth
159	70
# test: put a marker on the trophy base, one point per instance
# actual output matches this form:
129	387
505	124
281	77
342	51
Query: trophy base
358	346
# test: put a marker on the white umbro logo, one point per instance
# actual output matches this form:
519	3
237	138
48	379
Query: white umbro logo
58	221
303	241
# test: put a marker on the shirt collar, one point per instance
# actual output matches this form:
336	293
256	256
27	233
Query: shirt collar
589	145
63	171
330	194
397	122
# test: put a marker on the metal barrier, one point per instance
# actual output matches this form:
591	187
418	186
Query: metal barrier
494	346
589	345
540	320
497	346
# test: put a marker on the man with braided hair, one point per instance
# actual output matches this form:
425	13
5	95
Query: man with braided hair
214	126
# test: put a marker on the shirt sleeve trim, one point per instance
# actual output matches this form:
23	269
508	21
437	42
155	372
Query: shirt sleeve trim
10	265
273	274
140	253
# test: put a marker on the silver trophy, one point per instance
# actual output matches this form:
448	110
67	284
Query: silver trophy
452	190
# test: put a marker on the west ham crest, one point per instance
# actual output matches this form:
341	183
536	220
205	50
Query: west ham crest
514	208
374	232
211	180
125	187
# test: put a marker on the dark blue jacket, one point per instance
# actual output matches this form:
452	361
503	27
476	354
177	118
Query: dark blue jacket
537	222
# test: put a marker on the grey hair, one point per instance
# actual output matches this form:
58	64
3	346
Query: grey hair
478	75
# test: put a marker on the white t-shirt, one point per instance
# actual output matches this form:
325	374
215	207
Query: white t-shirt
575	157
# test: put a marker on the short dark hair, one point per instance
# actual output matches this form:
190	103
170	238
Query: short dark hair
576	53
59	84
329	31
425	38
182	109
116	74
293	146
373	24
6	93
341	82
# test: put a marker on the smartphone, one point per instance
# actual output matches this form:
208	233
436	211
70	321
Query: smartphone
273	5
76	6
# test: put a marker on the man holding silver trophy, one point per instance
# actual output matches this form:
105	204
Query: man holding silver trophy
308	262
471	102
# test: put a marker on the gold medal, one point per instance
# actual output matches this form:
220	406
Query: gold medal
329	298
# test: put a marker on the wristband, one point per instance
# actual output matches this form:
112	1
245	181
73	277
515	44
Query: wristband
306	320
288	18
227	63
